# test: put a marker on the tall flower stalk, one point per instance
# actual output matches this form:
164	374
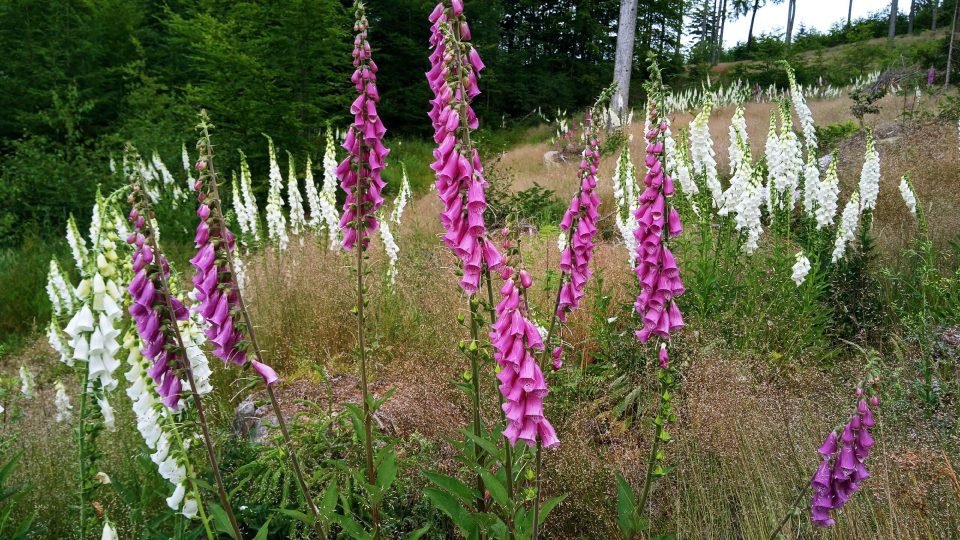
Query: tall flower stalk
156	311
455	67
359	174
657	271
220	297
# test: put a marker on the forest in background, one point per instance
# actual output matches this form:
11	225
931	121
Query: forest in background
80	78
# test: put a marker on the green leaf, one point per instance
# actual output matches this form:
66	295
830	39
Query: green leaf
496	489
386	469
329	501
465	493
264	531
549	505
626	506
448	505
489	446
351	527
419	532
221	521
297	515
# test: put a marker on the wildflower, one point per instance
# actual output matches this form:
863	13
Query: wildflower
62	403
294	199
78	246
218	300
624	194
784	159
842	468
906	191
313	197
240	209
580	223
156	425
359	172
800	268
109	533
745	195
870	175
391	248
28	386
849	221
804	114
58	343
153	308
676	163
657	221
276	222
522	383
92	331
561	242
328	195
109	421
249	199
702	154
60	295
826	199
811	187
402	197
455	66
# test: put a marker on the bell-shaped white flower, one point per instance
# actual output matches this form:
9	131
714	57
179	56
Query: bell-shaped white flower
276	222
61	402
870	176
800	268
849	222
909	198
297	219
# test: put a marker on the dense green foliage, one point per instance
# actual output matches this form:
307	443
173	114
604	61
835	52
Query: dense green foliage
81	78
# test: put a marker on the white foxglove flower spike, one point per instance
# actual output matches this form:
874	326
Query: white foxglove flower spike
298	221
276	222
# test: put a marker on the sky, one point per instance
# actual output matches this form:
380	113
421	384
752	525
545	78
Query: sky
819	14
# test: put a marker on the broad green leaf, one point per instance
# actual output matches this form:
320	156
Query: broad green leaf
465	493
549	505
386	469
625	506
263	532
221	521
297	515
496	489
351	527
419	532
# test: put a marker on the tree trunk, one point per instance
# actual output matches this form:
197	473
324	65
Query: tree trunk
893	22
753	17
849	13
933	23
953	31
791	15
677	46
911	16
623	65
723	21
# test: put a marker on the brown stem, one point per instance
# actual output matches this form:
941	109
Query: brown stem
291	450
188	370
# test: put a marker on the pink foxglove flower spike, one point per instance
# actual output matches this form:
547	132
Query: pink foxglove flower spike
220	297
359	172
155	310
455	67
